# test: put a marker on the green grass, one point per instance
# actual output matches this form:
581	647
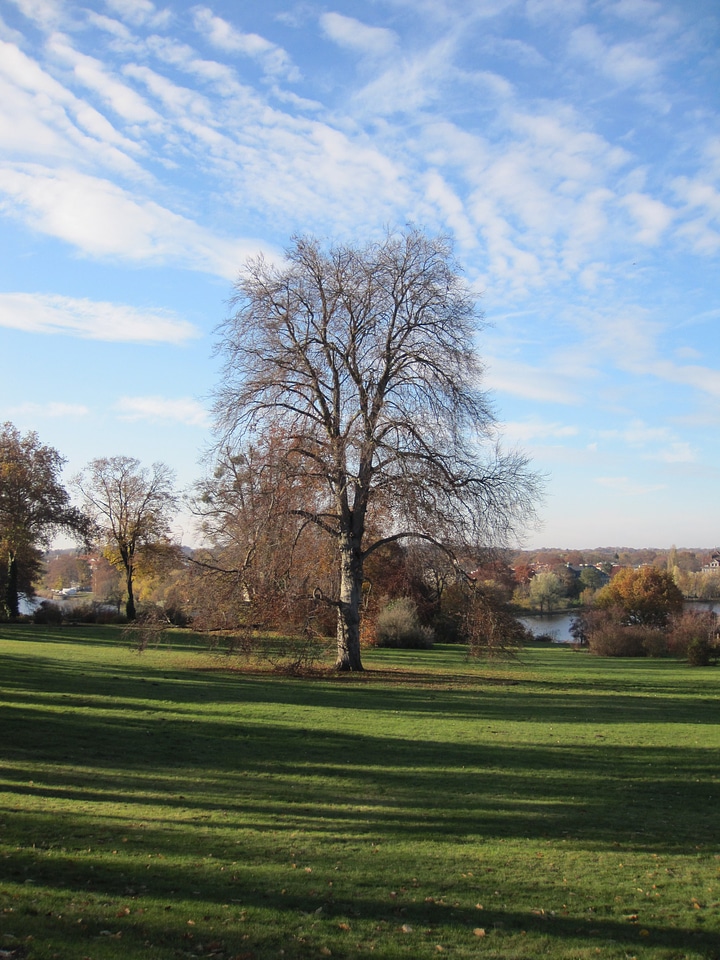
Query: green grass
164	806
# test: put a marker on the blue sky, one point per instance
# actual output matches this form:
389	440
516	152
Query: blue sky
570	147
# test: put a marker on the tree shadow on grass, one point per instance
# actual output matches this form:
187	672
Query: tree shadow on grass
182	773
597	793
290	897
29	677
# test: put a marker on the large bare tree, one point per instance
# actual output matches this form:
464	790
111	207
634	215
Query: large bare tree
132	507
362	360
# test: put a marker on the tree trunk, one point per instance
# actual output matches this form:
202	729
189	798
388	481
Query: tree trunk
130	611
11	591
348	625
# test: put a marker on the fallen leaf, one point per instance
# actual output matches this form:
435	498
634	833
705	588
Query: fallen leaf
344	926
406	928
479	931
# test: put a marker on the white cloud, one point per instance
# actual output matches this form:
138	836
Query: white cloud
652	217
555	10
353	35
36	108
91	320
114	27
157	409
274	60
91	73
451	207
53	409
527	430
704	379
627	487
533	383
627	337
624	63
411	83
702	203
46	13
139	12
181	101
667	448
516	50
103	220
677	452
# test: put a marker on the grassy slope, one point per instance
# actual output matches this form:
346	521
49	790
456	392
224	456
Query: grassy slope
161	806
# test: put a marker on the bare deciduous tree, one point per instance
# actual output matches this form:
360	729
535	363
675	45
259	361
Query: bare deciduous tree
131	507
362	362
258	557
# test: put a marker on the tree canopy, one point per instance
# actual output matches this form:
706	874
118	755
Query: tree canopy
131	507
646	596
361	363
34	507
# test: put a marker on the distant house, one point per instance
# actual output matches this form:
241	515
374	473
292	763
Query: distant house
601	578
714	565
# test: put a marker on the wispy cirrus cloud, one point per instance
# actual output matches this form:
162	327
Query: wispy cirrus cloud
45	13
534	429
659	443
140	12
627	487
273	59
92	320
93	75
533	382
157	409
53	409
354	35
624	63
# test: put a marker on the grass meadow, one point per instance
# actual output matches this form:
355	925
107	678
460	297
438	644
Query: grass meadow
170	805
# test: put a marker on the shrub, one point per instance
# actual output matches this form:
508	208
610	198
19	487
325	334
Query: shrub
100	613
448	628
655	642
700	652
493	631
398	625
608	634
48	613
689	626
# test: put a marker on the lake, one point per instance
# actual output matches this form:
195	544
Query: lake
557	625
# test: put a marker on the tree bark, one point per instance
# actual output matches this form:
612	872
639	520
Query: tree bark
348	624
130	611
11	592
